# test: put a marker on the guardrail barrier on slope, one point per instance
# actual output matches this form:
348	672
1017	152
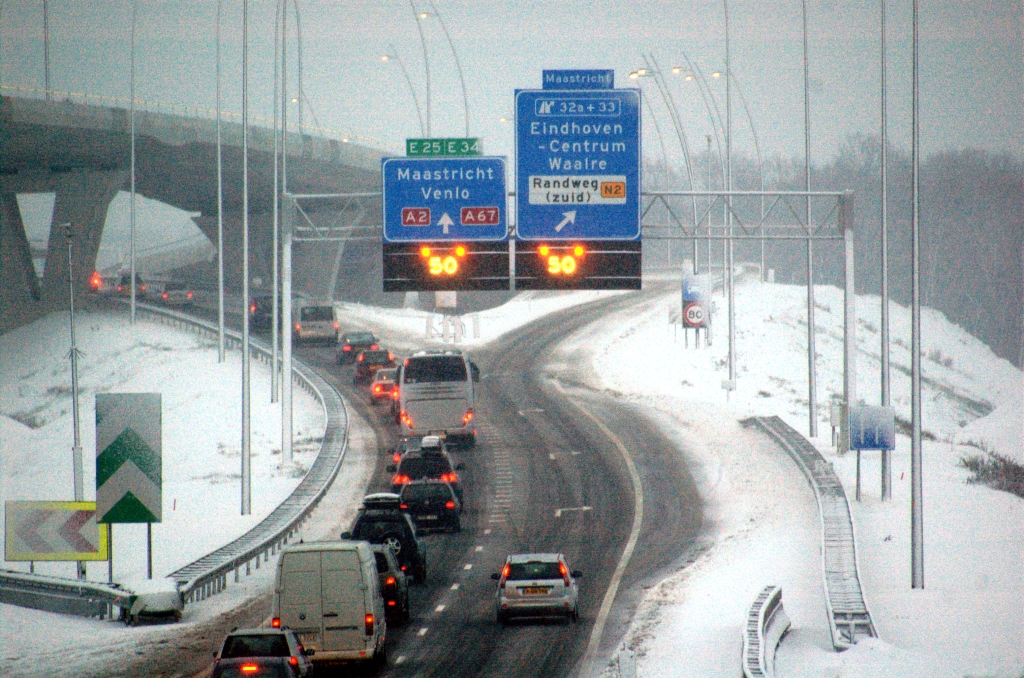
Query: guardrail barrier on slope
209	575
848	615
767	622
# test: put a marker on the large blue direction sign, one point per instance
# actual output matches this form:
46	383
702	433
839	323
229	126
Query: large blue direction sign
578	164
444	199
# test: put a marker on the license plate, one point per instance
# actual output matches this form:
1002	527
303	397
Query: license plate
308	638
535	591
428	517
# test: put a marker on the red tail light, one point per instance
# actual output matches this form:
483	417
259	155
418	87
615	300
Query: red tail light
189	295
450	477
252	308
449	504
298	327
96	280
564	572
360	358
374	347
400	479
143	288
376	389
119	288
336	325
403	506
396	457
164	295
505	571
391	603
275	623
293	660
390	581
369	624
467	417
250	668
404	417
346	348
394	393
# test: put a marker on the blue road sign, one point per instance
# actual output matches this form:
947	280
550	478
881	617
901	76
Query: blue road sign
872	428
697	288
578	164
444	199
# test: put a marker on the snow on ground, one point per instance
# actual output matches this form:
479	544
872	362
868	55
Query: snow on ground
970	617
762	524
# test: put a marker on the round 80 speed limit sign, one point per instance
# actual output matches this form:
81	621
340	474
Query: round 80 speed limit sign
695	315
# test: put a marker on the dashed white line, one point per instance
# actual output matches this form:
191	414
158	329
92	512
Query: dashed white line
469	566
487	531
559	512
401	659
439	608
479	549
455	586
422	632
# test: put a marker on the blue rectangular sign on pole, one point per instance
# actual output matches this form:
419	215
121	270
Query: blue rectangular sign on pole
872	428
429	199
578	164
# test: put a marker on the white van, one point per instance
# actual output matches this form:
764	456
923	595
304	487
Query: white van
329	594
315	321
436	396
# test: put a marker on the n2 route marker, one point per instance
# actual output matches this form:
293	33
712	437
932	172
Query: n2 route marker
578	179
445	224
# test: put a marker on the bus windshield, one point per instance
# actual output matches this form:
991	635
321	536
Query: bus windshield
431	369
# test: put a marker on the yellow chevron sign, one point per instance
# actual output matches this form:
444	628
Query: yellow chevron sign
53	530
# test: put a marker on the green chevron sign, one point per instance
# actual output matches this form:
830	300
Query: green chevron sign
128	458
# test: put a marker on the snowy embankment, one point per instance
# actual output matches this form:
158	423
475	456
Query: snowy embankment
762	520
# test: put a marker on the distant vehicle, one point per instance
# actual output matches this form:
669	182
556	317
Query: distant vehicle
261	311
536	584
436	396
381	521
394	585
368	362
315	322
383	384
151	601
124	286
351	343
432	505
416	445
428	464
177	294
102	285
329	594
262	652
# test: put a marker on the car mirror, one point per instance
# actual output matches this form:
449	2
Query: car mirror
346	535
460	466
576	574
495	576
475	371
392	468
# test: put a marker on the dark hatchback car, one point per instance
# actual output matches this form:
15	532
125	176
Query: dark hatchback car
425	465
368	362
394	585
352	342
381	521
432	505
262	652
261	311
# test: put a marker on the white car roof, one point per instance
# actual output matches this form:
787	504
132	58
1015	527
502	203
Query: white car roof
534	557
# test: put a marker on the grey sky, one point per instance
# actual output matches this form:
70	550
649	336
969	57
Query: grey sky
972	87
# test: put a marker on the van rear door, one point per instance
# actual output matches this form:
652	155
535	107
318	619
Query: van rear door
300	603
342	592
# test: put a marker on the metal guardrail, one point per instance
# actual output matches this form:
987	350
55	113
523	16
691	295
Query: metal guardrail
55	594
208	575
848	616
767	622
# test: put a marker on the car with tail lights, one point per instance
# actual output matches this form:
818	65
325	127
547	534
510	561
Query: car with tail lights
429	463
368	362
383	384
432	505
394	585
329	594
381	521
436	396
270	653
350	344
177	294
536	585
315	321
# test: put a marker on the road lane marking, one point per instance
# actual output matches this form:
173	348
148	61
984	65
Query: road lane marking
634	534
559	512
439	608
401	659
479	549
422	632
469	566
487	531
455	586
551	456
532	410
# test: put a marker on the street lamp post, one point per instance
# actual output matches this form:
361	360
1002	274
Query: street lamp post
458	65
246	366
76	449
131	208
220	211
426	59
412	92
812	388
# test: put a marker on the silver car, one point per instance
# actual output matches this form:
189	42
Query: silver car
537	585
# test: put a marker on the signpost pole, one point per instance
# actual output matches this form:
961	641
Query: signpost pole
149	550
110	553
849	320
286	337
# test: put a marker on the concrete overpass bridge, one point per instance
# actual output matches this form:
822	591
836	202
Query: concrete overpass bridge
82	154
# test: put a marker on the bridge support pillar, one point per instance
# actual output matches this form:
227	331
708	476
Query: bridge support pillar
82	198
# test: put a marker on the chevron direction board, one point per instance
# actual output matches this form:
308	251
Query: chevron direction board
53	530
128	458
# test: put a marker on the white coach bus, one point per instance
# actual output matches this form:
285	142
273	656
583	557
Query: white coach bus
435	390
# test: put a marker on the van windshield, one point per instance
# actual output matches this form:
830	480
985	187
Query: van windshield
432	369
317	313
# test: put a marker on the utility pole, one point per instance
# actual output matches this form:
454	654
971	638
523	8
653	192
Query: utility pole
76	450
